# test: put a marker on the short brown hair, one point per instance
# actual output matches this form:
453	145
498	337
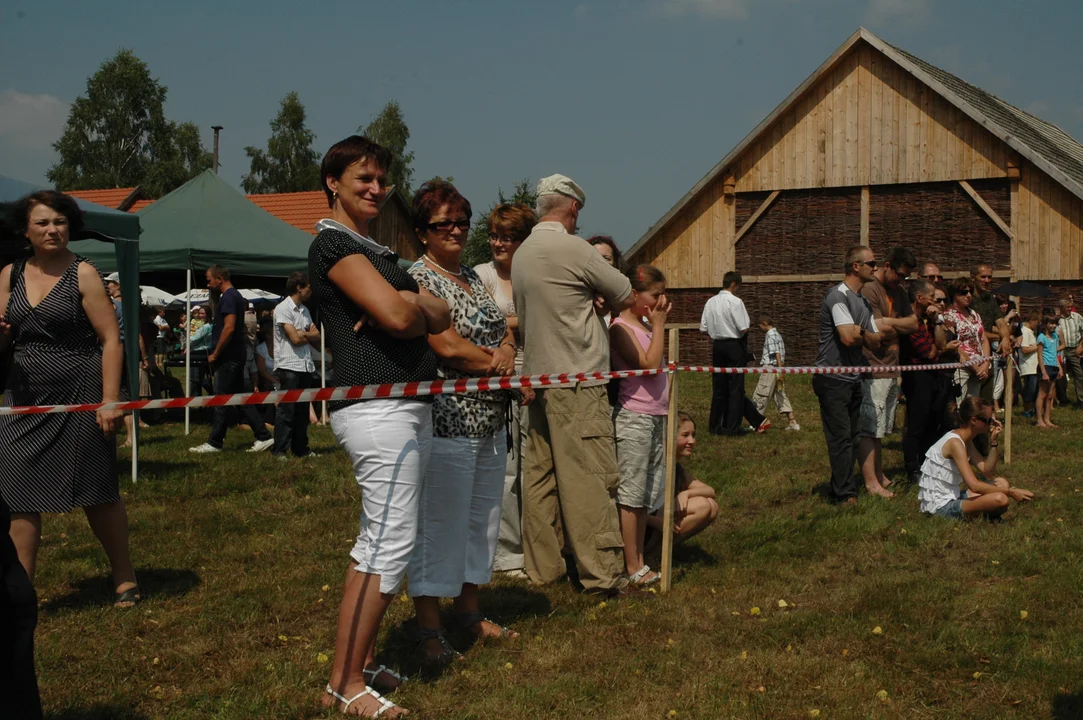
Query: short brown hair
643	276
854	255
219	271
434	195
618	259
765	319
297	280
345	153
959	286
58	201
513	220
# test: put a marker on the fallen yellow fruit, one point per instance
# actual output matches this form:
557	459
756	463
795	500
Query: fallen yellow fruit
977	675
601	604
882	695
325	588
814	713
1023	614
744	654
763	689
283	638
754	611
845	652
789	648
783	604
322	658
672	713
877	630
508	666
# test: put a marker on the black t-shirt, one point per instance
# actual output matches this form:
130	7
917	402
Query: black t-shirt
231	303
369	356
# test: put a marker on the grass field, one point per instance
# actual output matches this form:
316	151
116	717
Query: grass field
887	613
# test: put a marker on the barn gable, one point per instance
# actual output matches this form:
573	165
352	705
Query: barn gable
880	148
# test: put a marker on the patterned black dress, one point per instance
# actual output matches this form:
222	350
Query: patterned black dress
52	463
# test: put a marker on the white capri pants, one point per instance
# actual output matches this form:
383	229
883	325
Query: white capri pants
388	443
459	517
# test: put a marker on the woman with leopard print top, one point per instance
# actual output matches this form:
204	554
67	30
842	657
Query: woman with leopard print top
461	496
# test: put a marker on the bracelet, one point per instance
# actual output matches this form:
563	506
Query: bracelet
993	445
508	343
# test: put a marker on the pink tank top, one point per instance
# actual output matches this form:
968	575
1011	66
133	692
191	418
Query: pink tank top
648	395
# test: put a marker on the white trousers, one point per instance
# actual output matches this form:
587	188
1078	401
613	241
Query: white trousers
388	443
459	516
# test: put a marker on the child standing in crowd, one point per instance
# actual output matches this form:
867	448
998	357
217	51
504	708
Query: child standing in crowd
771	384
1050	369
1028	362
696	507
640	418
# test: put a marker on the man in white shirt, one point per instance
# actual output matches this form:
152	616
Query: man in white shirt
294	335
726	321
1070	329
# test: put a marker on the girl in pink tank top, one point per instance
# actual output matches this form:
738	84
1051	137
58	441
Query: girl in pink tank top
640	415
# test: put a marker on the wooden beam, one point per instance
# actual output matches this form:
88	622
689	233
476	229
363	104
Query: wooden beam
671	464
865	215
755	216
837	277
985	208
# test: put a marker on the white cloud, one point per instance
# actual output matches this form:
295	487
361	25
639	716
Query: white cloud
713	9
911	13
33	122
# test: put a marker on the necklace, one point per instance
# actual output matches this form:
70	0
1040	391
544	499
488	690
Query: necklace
441	267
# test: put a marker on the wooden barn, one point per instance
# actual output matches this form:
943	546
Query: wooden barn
878	148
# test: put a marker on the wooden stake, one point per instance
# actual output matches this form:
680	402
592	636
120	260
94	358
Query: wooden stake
671	464
1008	412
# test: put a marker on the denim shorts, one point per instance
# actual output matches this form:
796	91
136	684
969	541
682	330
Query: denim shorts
952	510
1030	387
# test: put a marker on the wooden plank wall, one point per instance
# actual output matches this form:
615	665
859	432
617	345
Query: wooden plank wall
1047	224
394	228
696	249
869	122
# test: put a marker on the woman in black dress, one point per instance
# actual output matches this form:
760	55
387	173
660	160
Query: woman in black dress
67	350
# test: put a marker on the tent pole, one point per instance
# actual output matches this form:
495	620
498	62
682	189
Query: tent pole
323	373
188	349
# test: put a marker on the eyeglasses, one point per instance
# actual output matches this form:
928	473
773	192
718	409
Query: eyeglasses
493	237
963	292
445	226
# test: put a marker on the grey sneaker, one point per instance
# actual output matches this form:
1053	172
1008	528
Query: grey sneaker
793	426
261	445
204	448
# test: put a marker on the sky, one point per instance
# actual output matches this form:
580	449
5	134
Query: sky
634	99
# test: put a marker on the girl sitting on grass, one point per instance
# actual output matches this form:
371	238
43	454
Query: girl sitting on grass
696	507
640	417
947	472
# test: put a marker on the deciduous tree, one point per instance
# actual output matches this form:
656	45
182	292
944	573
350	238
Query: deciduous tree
289	164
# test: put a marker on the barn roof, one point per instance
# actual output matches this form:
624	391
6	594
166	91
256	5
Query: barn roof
1042	143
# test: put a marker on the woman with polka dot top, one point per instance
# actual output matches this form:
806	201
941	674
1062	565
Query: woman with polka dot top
377	327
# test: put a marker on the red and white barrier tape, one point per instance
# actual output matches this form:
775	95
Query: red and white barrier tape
444	387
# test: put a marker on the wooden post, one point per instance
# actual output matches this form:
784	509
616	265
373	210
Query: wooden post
1008	412
671	464
865	215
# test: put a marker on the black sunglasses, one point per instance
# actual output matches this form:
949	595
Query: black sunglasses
933	278
871	263
446	225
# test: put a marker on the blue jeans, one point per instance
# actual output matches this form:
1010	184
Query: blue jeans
229	378
951	510
291	419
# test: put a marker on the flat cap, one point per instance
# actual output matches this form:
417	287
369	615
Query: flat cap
113	278
562	185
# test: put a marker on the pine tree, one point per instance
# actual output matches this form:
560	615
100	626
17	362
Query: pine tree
389	129
289	163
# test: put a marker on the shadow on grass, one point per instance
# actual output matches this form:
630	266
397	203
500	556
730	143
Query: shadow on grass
504	604
97	591
1068	707
97	712
687	554
156	468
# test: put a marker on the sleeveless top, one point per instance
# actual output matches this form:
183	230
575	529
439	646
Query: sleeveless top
941	482
477	319
649	394
491	281
369	356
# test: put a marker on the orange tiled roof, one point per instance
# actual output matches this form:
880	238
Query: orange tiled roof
139	205
110	198
300	209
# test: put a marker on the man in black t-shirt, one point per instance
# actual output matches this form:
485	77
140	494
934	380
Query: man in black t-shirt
227	361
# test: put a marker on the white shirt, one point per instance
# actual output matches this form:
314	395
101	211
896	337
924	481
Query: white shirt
941	482
268	361
288	356
1029	363
724	317
162	324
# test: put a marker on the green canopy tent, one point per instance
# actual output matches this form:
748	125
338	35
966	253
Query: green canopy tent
101	224
206	222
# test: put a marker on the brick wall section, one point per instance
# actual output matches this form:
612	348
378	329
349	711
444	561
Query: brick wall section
795	308
940	223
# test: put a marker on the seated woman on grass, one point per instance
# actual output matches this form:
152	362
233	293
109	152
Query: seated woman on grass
696	506
946	472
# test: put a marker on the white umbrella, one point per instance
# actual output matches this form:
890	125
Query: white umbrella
152	296
196	296
254	296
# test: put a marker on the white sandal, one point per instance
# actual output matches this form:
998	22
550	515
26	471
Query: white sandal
385	704
371	675
637	577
